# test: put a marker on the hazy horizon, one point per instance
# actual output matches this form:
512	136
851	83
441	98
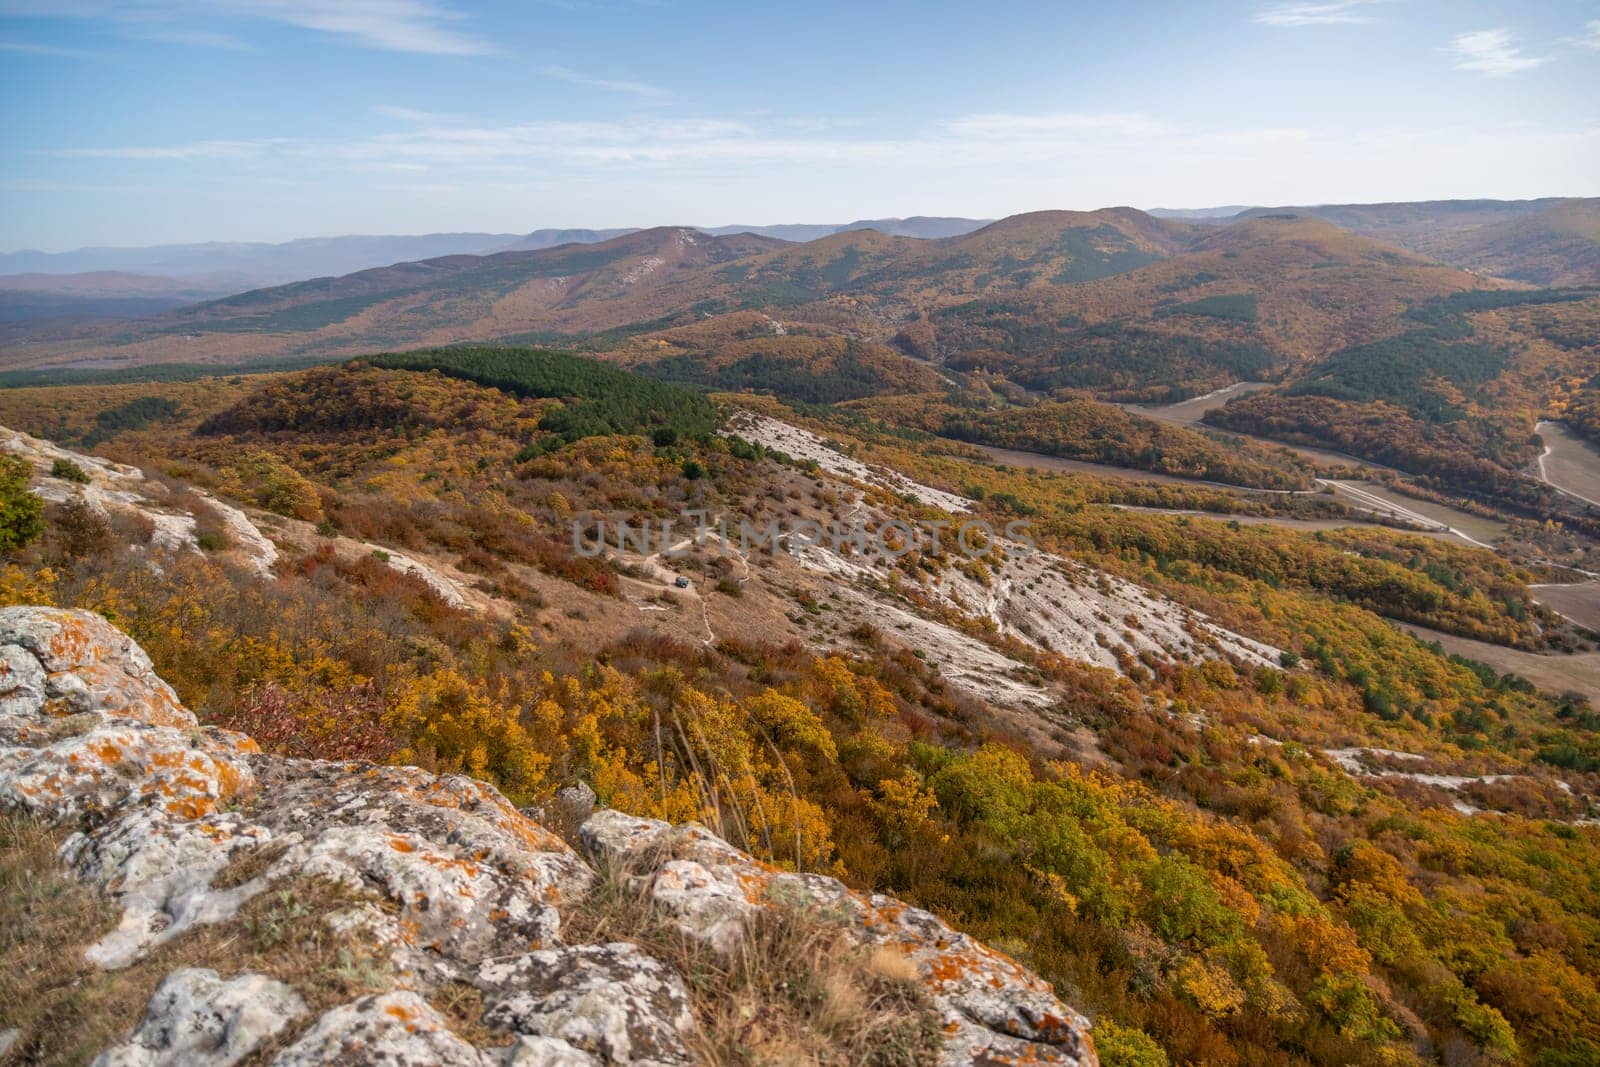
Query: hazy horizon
139	122
1219	210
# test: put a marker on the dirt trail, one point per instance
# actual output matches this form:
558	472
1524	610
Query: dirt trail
1355	762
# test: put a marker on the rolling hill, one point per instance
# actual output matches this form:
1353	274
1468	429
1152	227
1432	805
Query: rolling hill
1114	301
1549	242
634	280
1116	304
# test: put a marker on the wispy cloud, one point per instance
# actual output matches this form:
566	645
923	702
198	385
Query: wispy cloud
712	143
191	150
33	49
394	25
1492	52
418	117
1012	125
1590	38
1020	160
641	90
1330	13
193	38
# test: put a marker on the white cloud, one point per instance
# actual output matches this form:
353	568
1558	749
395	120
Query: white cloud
1591	35
727	148
1004	162
1331	13
1492	52
393	25
641	90
396	25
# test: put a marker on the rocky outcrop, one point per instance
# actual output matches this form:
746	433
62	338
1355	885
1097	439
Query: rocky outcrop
116	489
992	1009
436	884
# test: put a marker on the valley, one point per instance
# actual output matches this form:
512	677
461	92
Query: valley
1084	575
1207	613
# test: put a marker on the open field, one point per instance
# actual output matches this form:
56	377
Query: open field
1285	522
1569	463
1426	516
1579	672
1192	412
1470	528
1194	409
1578	601
1039	461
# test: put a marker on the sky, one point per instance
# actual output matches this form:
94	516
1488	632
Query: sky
135	122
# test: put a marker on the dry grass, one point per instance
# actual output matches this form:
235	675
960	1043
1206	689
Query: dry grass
250	864
66	1009
797	990
70	1010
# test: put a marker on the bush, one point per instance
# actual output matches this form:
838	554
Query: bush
68	471
78	530
1126	1046
21	513
136	414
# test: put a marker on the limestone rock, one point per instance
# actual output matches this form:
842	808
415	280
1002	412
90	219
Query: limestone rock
395	1029
547	1052
195	1019
611	1000
87	728
440	876
994	1009
89	666
159	867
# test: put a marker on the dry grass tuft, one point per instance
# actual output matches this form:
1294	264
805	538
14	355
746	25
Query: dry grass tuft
69	1010
250	864
796	990
66	1009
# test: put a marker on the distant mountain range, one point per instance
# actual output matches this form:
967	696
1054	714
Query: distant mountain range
231	267
1259	292
1201	298
1553	241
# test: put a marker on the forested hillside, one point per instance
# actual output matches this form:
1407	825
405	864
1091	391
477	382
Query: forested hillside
1271	827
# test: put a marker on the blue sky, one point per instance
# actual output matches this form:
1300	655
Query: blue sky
152	121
